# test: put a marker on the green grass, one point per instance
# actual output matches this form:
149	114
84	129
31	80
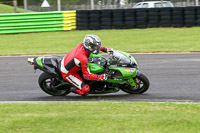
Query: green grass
133	40
9	9
98	117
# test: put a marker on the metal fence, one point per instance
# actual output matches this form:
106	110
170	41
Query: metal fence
36	5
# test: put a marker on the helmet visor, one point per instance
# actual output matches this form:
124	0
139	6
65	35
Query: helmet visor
97	48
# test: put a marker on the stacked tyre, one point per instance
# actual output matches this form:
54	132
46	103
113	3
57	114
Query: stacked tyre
94	19
118	19
198	15
82	20
165	17
141	18
178	17
154	17
106	19
129	17
190	16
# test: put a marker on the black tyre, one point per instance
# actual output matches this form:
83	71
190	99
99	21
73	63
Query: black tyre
127	14
94	15
178	21
165	25
141	26
155	18
83	24
154	25
153	9
106	23
189	13
82	15
190	8
129	19
106	19
178	25
96	20
106	27
116	15
165	13
165	21
118	10
154	22
166	9
119	19
130	23
141	22
94	11
142	85
165	17
141	18
82	28
153	13
106	15
177	13
82	20
178	17
50	85
177	9
82	12
141	14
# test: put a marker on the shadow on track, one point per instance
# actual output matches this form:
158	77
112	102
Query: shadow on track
114	97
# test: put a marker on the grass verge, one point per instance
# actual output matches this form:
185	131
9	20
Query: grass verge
99	117
133	40
10	9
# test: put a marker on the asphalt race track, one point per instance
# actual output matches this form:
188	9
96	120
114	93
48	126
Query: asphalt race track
173	77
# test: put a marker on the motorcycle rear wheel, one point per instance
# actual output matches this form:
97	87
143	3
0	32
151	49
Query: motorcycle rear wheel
48	84
142	85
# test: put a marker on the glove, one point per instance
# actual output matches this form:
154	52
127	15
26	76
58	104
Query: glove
102	77
110	51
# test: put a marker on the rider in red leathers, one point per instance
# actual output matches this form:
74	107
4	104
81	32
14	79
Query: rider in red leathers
78	59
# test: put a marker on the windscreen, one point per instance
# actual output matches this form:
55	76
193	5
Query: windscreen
121	58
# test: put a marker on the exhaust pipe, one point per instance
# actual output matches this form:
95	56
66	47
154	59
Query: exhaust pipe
31	61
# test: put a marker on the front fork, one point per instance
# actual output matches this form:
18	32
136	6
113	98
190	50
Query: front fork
131	81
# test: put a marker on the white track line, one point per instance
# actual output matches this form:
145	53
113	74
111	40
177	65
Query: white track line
136	100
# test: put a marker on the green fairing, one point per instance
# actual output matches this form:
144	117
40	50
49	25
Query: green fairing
39	61
115	81
96	55
125	71
94	68
131	82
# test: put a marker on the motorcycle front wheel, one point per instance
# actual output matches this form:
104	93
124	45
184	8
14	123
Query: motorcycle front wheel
50	85
142	85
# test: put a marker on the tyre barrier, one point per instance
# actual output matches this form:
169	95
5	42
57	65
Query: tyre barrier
100	19
139	18
37	22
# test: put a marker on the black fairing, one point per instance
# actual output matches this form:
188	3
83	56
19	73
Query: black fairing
51	65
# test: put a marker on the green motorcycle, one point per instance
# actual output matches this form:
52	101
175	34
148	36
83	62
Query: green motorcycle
121	67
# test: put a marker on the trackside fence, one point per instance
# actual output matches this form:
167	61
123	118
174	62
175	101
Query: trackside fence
37	22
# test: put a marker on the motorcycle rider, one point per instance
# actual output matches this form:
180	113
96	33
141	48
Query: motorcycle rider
78	59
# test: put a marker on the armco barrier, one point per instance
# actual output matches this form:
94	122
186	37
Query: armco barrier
138	18
37	22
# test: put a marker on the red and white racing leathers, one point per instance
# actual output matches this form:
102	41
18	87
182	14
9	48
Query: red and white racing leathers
73	62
